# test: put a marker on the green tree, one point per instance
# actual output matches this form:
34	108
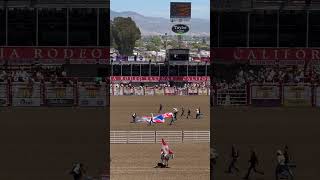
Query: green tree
125	34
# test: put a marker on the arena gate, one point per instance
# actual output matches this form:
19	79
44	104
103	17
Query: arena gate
231	96
141	137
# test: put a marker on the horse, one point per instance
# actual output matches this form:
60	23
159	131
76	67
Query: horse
165	159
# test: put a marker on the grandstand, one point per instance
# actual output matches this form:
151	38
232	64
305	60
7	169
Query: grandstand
271	44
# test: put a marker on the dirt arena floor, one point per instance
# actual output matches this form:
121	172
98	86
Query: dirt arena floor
42	143
267	130
122	107
137	161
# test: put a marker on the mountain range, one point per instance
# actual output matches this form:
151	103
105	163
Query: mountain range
159	25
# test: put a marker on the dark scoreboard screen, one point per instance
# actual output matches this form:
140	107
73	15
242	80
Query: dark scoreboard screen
178	55
180	10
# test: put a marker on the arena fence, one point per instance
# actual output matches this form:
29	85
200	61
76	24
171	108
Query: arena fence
70	92
144	137
269	94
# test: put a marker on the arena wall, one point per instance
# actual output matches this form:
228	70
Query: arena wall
272	95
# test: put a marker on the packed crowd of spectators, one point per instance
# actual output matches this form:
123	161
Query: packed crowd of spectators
37	74
269	74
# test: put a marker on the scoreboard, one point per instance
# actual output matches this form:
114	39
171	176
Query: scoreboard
180	10
174	55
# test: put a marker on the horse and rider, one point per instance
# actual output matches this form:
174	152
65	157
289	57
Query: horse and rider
165	155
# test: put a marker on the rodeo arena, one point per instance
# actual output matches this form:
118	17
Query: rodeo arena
265	89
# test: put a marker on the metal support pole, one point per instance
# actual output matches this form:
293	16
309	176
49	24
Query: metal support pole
307	31
7	26
67	26
98	25
278	28
248	29
37	27
218	33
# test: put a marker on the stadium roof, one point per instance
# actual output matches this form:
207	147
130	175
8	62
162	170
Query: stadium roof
56	3
264	5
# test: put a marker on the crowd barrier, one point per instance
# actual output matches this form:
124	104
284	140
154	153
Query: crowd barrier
53	94
280	94
147	137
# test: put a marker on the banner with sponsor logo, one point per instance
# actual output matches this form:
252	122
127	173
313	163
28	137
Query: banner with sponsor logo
169	91
265	95
159	91
267	56
182	91
128	91
138	91
317	96
92	95
12	53
25	94
149	91
297	95
117	79
193	91
203	91
59	94
4	94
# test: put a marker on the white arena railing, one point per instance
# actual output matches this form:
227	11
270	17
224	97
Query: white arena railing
196	136
147	137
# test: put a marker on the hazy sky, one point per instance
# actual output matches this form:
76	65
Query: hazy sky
161	8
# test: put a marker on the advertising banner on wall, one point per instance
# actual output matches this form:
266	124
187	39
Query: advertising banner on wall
3	94
297	95
24	94
169	91
317	96
149	91
92	95
59	94
264	95
159	91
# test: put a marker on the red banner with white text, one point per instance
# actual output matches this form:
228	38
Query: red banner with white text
30	54
159	78
267	56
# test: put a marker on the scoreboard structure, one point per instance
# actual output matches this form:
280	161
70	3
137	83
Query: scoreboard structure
180	10
178	55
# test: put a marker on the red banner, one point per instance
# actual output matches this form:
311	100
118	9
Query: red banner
159	78
54	53
266	54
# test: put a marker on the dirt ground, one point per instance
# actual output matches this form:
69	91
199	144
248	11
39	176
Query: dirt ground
137	161
267	130
42	143
122	107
